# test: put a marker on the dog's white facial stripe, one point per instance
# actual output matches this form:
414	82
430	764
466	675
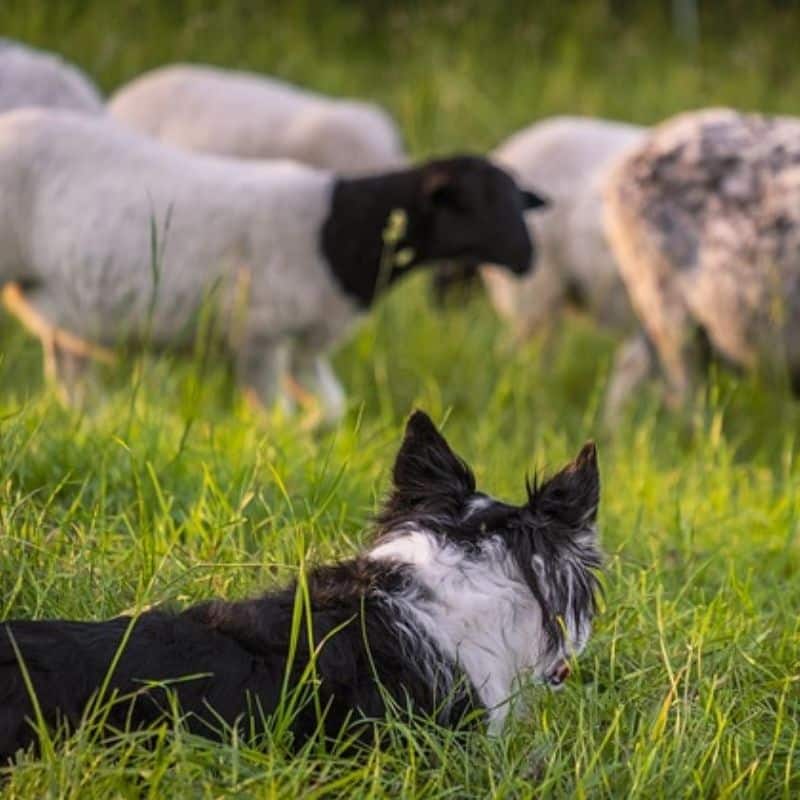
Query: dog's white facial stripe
477	503
476	608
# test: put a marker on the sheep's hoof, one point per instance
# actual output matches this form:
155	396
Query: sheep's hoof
272	412
298	393
312	410
252	399
316	415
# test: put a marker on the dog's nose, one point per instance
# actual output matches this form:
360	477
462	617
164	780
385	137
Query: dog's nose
561	672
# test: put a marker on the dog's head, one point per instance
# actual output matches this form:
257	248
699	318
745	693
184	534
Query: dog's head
475	213
532	567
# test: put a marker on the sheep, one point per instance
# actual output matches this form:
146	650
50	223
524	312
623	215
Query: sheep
110	237
704	220
567	158
242	114
30	77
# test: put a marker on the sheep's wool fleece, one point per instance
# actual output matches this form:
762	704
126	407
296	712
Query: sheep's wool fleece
243	114
125	237
567	158
31	77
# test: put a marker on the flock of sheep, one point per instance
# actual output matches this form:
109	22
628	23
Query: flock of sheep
684	239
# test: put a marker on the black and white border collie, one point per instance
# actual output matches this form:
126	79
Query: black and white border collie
458	599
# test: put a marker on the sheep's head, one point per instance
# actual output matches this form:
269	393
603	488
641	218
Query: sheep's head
462	209
475	213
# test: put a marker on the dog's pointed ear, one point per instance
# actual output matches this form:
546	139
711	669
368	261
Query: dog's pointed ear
426	471
572	495
532	200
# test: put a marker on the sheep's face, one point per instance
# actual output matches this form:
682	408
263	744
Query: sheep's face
475	213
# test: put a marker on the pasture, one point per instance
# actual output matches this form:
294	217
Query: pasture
171	490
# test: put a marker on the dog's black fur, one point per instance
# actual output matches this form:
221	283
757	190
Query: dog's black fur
231	657
462	208
226	662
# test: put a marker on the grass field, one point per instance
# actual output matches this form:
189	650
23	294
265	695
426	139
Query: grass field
171	491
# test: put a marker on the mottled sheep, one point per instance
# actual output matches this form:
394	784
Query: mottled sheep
704	219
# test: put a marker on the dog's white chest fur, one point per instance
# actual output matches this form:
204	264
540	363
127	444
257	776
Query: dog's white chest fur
476	608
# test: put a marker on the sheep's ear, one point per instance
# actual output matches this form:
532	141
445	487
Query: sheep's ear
438	186
427	473
531	200
571	496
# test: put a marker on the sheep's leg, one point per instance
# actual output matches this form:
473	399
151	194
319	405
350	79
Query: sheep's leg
66	357
531	303
656	292
67	371
673	334
315	380
263	365
633	365
550	339
678	359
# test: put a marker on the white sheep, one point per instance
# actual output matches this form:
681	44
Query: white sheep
704	219
110	237
567	159
30	77
241	114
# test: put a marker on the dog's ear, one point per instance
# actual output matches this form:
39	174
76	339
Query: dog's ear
571	496
532	200
427	473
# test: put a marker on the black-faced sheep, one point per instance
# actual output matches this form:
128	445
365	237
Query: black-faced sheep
110	237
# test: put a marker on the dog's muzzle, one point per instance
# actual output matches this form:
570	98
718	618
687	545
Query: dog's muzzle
559	674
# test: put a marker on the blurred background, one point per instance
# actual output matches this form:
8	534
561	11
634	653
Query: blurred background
457	74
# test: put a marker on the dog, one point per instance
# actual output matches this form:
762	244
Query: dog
459	599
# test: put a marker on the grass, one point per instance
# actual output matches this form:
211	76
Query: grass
170	491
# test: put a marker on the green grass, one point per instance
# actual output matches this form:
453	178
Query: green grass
171	491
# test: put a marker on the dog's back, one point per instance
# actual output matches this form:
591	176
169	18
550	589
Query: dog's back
68	662
56	667
219	664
